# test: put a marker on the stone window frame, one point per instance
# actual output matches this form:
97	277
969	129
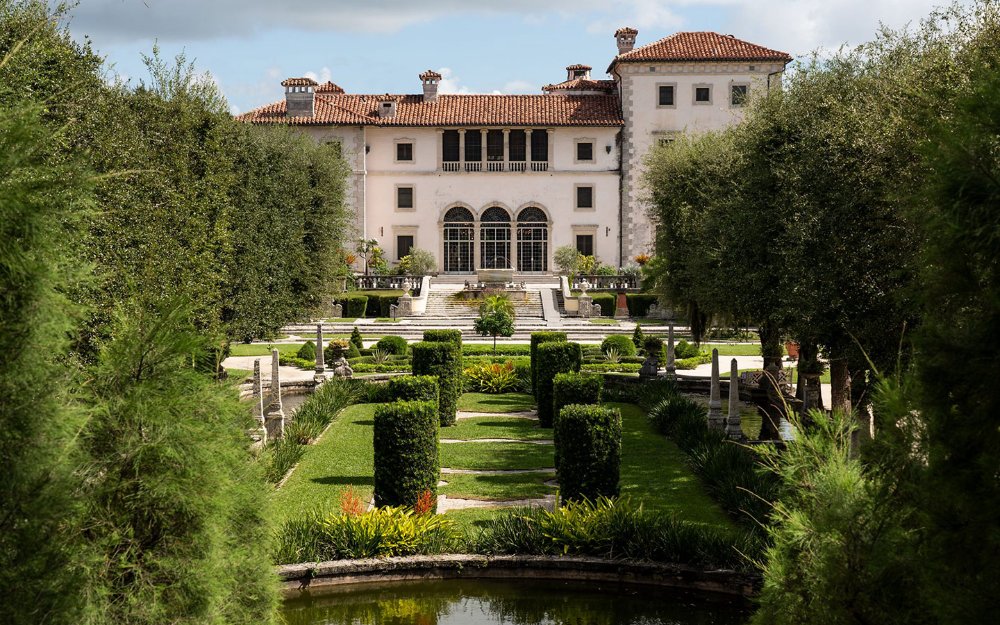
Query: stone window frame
413	150
738	83
657	94
593	150
593	197
585	229
694	93
413	198
405	231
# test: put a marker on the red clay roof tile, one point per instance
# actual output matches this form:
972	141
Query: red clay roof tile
298	82
701	46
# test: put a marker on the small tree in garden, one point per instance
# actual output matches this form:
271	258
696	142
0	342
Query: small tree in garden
567	260
589	452
406	453
495	323
553	358
637	337
417	263
356	338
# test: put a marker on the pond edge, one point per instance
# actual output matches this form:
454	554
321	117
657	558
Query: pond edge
306	578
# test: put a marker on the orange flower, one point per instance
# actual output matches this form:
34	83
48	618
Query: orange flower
425	503
350	502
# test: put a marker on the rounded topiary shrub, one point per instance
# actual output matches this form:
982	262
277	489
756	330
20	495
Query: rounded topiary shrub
553	358
406	452
414	388
589	452
683	350
352	351
621	343
307	351
537	338
443	336
444	362
393	345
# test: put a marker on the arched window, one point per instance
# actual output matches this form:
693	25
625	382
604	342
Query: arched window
532	240
494	237
459	239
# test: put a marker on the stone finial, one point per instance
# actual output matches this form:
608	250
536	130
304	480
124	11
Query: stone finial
733	429
258	392
715	419
320	364
274	419
671	364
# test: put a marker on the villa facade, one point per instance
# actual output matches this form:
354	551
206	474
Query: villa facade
501	181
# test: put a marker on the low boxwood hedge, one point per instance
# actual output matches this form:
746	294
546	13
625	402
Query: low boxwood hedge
573	388
639	303
354	304
589	452
414	388
537	338
406	452
443	336
550	359
444	361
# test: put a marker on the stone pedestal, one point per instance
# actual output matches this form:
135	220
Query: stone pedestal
274	413
621	307
336	311
404	307
320	376
671	364
715	419
586	307
812	396
733	429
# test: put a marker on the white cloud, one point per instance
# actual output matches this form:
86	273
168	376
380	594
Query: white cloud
650	15
519	86
451	83
323	76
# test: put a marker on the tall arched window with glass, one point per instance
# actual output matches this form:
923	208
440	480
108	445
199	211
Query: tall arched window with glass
494	238
532	240
459	240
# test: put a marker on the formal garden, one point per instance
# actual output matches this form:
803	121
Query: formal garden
146	236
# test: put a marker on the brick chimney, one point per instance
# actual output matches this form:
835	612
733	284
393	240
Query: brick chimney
574	72
300	97
626	39
430	79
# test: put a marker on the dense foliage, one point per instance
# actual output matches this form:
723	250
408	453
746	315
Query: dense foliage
590	452
406	452
551	359
443	361
440	336
414	388
393	345
537	338
620	343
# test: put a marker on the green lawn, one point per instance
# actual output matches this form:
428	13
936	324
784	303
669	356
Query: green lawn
494	456
497	487
654	472
506	402
496	427
733	349
792	371
387	320
342	457
262	349
238	375
604	322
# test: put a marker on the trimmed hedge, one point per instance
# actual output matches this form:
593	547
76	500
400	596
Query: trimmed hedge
573	388
503	349
639	303
537	338
589	452
444	361
414	388
606	301
354	305
683	350
406	452
443	336
352	351
553	358
393	344
307	351
622	343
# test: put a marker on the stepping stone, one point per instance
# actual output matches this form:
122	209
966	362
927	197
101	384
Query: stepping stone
446	503
446	470
498	440
442	483
527	414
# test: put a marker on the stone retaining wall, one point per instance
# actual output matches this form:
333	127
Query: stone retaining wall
298	579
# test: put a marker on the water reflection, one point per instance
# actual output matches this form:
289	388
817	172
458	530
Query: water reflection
504	602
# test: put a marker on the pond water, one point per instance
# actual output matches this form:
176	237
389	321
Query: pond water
511	602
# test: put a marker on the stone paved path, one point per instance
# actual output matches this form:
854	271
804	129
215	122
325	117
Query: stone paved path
446	503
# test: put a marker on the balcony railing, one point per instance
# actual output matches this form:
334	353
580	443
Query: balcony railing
494	166
403	283
607	283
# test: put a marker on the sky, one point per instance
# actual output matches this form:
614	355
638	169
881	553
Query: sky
502	46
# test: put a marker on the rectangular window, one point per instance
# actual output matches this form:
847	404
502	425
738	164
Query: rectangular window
585	244
585	151
666	95
738	95
404	197
539	145
449	146
517	145
404	151
473	145
404	243
703	94
585	197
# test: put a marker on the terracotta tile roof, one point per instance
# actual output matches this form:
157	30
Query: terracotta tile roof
579	66
582	84
430	74
298	82
701	46
329	87
626	30
450	110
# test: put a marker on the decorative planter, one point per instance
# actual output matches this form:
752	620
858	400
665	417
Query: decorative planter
792	347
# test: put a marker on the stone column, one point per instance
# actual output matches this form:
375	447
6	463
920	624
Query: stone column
733	429
320	376
461	149
482	147
527	149
274	419
671	365
715	419
440	148
506	149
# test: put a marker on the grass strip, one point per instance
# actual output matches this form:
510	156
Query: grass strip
503	402
497	427
497	487
496	456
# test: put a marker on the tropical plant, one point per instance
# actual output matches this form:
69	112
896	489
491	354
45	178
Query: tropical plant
612	355
493	378
380	356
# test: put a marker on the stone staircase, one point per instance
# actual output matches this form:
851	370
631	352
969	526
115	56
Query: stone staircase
442	303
